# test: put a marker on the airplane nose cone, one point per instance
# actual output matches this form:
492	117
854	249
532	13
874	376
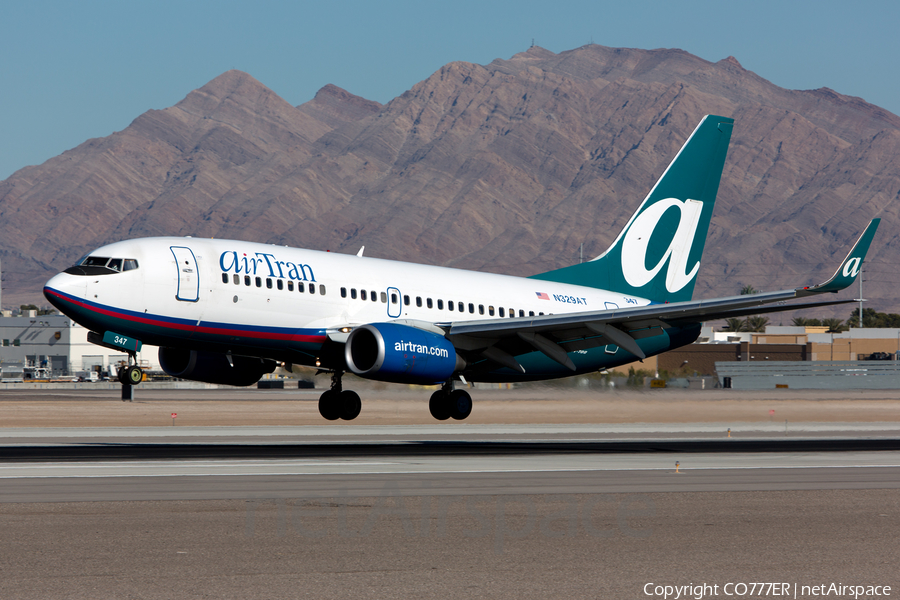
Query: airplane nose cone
62	289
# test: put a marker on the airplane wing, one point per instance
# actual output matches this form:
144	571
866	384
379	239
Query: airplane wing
500	340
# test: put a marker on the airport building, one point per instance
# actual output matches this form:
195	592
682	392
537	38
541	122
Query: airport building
53	346
778	344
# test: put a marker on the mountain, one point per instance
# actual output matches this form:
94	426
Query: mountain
507	167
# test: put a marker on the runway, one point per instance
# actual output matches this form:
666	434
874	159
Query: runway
65	465
444	511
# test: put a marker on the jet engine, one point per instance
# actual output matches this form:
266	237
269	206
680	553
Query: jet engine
213	367
401	354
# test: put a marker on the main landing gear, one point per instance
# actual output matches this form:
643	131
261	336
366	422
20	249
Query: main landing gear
447	402
338	403
129	377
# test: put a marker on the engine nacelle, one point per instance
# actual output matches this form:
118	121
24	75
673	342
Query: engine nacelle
401	354
212	367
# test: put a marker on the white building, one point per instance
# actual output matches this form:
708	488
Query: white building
56	346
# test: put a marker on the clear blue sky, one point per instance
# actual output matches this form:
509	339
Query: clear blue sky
70	71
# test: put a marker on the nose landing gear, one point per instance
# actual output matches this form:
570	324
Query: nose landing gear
129	377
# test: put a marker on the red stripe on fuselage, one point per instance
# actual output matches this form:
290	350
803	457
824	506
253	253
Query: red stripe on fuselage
291	337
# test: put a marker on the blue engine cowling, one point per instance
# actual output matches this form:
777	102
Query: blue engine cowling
400	354
212	367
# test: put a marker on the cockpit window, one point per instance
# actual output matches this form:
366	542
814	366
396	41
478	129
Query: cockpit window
102	265
95	261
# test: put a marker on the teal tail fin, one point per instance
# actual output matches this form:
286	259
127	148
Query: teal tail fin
657	254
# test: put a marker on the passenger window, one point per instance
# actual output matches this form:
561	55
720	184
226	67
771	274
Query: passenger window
290	286
406	300
481	309
224	277
512	313
237	279
384	297
300	287
343	292
246	280
268	283
521	313
461	309
279	283
440	304
491	310
501	311
373	296
450	305
419	301
530	313
321	289
429	303
540	314
259	282
362	294
353	293
312	288
471	308
393	298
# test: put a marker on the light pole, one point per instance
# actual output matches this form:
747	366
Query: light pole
860	299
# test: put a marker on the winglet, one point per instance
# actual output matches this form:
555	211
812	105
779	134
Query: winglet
846	273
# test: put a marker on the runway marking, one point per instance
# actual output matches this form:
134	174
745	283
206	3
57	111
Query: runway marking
448	472
167	464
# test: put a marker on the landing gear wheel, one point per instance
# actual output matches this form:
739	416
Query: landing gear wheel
133	375
350	405
459	404
329	405
439	406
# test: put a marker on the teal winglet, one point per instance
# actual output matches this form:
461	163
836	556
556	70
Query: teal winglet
851	266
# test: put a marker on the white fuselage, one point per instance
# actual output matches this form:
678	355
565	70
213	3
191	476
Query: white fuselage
215	288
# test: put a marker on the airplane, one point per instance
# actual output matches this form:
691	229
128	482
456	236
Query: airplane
229	311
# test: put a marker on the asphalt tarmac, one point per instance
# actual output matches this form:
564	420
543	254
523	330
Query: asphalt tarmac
433	511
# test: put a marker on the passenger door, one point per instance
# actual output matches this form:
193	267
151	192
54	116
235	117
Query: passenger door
394	302
188	289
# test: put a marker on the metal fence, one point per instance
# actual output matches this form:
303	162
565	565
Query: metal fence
816	375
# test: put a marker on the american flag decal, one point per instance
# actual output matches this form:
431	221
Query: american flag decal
542	296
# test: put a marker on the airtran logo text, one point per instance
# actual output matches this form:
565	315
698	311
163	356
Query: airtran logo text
265	264
402	346
637	239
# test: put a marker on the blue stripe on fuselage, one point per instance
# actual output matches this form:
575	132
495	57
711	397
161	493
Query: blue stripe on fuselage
160	330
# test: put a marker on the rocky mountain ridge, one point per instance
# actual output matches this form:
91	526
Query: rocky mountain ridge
507	167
